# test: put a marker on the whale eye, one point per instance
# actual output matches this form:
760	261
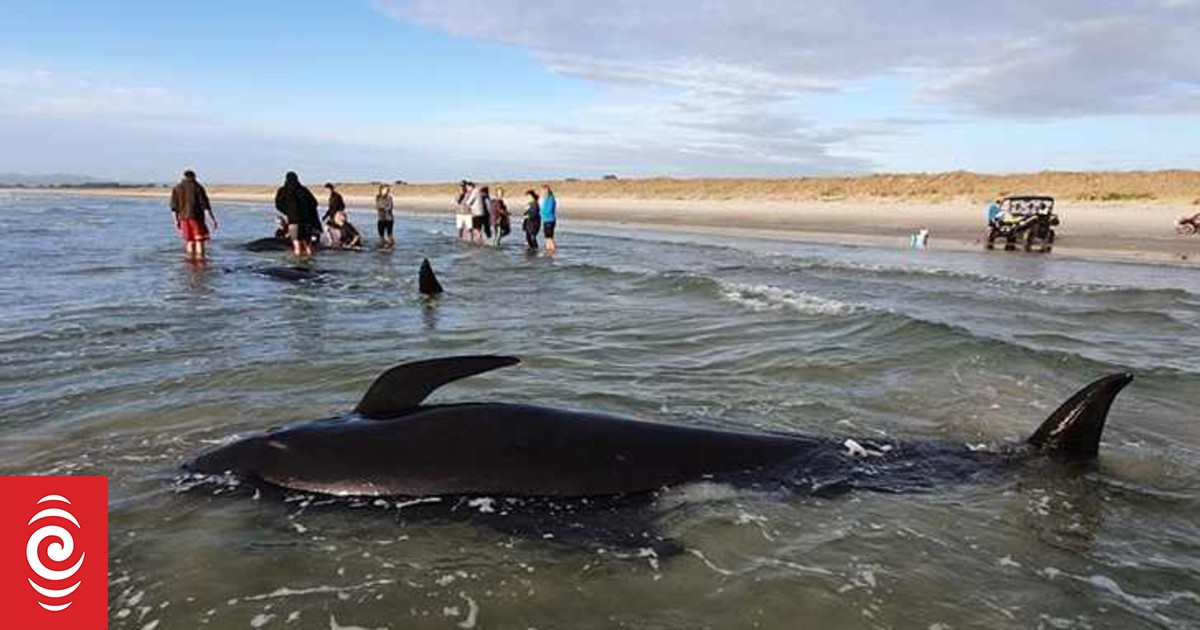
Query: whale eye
277	444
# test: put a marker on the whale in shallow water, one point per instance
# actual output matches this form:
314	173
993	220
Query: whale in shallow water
295	273
268	244
393	445
427	282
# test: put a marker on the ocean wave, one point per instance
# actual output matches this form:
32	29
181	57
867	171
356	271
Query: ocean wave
1039	285
765	297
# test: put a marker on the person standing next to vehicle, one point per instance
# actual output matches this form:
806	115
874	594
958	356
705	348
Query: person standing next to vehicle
995	210
386	220
295	202
549	216
189	202
532	223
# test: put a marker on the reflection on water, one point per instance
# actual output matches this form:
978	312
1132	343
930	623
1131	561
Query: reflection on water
429	313
195	277
124	361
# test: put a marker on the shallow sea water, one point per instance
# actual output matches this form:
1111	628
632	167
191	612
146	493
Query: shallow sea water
119	359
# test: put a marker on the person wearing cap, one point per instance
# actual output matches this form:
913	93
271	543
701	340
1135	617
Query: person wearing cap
189	203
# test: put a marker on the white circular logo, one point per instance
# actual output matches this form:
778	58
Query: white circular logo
55	585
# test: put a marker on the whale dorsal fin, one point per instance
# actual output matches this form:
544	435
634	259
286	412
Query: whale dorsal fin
427	283
405	386
1074	429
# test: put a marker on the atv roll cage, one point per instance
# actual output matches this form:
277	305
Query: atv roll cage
1028	220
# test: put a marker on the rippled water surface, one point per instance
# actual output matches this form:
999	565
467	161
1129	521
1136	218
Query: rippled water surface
118	359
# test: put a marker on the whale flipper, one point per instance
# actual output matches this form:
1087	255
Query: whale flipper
428	283
405	386
1074	429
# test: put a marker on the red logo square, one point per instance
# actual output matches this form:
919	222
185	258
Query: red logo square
53	553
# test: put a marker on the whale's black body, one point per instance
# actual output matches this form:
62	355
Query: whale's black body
394	446
269	244
296	273
427	282
276	244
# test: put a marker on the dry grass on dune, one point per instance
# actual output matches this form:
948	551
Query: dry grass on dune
1099	186
1075	186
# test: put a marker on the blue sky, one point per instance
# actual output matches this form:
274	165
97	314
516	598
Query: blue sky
432	90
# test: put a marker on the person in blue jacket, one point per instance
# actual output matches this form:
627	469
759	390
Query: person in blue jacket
549	216
995	211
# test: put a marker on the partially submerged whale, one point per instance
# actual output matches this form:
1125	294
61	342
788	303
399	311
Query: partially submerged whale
394	445
295	273
427	282
269	244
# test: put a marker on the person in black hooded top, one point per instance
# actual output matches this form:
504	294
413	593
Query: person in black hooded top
299	205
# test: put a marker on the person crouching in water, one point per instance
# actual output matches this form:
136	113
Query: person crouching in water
189	203
384	207
498	217
532	223
549	215
299	206
343	234
281	228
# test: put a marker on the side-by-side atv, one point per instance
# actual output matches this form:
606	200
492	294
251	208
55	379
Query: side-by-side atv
1026	221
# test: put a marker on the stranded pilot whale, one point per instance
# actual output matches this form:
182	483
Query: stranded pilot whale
393	445
427	282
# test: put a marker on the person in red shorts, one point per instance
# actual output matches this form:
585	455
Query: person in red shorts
189	202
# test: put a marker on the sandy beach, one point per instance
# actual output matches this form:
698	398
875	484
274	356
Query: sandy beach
1137	227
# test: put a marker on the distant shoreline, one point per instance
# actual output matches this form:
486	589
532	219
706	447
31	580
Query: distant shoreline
1128	230
1169	186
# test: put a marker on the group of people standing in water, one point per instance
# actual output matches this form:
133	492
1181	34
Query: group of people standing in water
300	223
481	217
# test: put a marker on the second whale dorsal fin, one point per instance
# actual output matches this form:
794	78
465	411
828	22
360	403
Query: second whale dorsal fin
405	386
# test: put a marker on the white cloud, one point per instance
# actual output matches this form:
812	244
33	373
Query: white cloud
722	82
44	94
780	48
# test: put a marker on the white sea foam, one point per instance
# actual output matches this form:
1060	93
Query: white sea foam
334	625
699	492
764	297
